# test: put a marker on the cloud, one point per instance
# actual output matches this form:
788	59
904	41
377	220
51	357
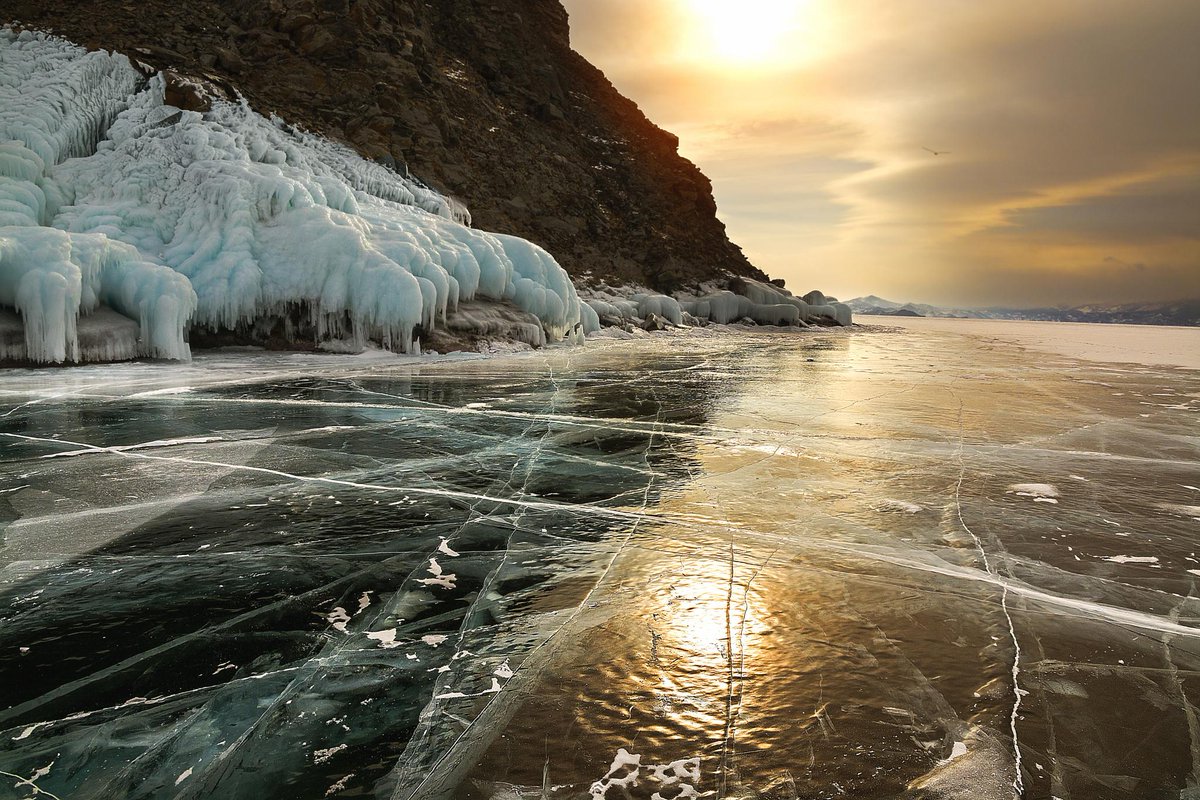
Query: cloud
1073	131
1149	212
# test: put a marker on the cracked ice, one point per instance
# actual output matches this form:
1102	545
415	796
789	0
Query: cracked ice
742	564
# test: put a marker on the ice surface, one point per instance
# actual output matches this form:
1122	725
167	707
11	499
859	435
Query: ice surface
1137	344
742	565
223	218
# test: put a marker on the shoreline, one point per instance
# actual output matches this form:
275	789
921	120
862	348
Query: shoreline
20	386
497	348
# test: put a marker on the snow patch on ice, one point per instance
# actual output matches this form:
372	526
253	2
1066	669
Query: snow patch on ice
364	602
321	756
440	578
623	774
1132	559
898	507
386	639
339	786
339	619
27	732
676	779
1179	508
1040	492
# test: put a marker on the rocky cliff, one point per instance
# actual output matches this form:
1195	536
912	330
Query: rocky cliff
484	100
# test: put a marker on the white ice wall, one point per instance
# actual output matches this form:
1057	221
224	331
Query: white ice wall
251	215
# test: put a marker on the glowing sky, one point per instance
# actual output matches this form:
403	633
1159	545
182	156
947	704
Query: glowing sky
1072	131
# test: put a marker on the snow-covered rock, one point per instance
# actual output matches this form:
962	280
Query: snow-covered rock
659	305
764	304
589	318
218	219
843	314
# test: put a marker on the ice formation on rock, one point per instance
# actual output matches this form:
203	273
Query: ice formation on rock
745	300
665	307
766	304
172	217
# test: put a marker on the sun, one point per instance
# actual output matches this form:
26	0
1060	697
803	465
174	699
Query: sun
744	31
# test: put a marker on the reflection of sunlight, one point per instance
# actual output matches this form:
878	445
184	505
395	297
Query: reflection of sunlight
745	31
705	610
699	618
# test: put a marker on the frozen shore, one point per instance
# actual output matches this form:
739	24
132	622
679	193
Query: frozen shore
133	197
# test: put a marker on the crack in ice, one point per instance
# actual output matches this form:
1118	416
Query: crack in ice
1018	780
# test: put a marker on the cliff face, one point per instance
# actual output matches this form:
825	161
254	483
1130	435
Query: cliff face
482	99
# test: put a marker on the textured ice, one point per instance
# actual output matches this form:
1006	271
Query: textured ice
52	277
223	218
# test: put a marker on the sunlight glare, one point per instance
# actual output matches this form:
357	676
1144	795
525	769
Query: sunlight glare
745	31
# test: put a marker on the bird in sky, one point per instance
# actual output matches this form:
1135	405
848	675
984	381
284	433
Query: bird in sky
936	152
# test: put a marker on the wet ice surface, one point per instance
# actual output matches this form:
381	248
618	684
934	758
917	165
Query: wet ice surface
804	566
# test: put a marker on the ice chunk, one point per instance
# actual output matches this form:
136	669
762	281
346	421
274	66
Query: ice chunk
56	99
722	307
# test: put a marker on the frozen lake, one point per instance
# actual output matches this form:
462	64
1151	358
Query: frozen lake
817	565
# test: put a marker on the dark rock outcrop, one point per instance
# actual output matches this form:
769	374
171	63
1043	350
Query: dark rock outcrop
483	99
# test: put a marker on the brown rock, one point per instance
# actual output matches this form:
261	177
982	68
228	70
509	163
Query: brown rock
229	59
314	40
185	92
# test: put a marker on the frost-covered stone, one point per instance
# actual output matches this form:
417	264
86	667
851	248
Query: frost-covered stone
589	318
659	305
777	314
843	314
763	304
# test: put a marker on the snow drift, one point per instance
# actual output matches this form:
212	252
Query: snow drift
177	218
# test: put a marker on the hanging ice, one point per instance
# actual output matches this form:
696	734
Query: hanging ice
223	217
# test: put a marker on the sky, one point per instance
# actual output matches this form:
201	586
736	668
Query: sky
1067	133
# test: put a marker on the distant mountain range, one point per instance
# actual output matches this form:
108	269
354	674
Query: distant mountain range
1174	312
